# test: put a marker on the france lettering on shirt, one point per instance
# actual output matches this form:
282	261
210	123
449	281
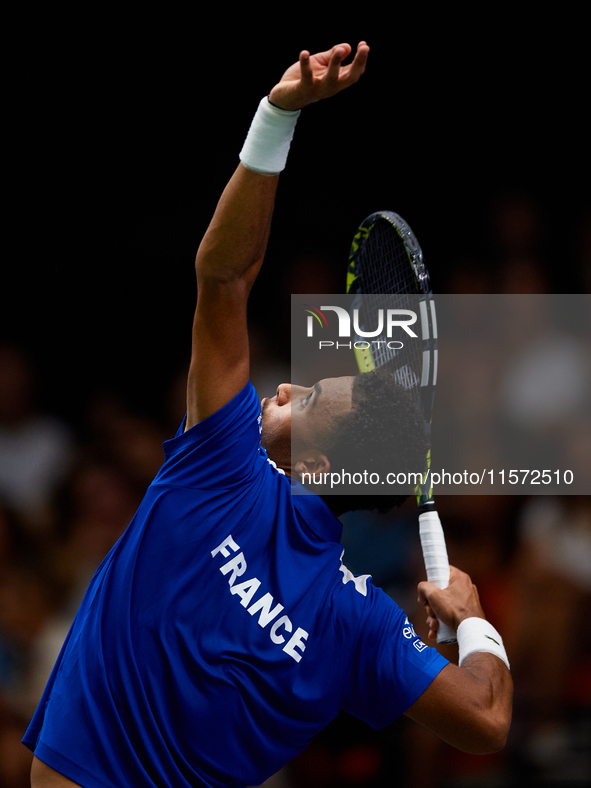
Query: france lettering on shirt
246	590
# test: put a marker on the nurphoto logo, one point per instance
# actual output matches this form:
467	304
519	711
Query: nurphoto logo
388	319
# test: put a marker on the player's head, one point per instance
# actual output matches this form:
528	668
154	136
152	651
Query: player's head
297	420
362	423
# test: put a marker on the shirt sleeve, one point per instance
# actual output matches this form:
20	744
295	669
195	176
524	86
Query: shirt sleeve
221	451
390	666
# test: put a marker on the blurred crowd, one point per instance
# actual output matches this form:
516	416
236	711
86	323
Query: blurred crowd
68	491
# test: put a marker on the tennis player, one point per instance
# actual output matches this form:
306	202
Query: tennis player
222	632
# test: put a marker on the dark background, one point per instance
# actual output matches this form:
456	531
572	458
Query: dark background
125	123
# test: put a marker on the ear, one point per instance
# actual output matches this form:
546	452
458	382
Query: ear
315	463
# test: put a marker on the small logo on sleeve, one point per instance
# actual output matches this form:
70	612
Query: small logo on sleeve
409	633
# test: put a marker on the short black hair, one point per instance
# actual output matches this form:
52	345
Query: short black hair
383	433
385	429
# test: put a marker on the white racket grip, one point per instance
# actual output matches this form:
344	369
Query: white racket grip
436	563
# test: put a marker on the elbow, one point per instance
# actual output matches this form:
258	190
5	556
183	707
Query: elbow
492	712
501	733
483	741
490	734
494	739
214	272
469	712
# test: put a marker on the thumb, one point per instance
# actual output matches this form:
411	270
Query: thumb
436	602
427	591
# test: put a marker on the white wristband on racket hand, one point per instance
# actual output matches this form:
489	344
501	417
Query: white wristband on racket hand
476	634
267	143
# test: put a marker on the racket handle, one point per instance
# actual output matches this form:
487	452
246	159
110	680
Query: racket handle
436	562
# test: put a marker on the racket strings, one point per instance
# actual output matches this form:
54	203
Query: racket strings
391	268
384	268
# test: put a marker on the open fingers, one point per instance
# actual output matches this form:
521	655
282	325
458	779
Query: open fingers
351	73
324	58
357	67
318	76
305	68
333	72
341	77
330	62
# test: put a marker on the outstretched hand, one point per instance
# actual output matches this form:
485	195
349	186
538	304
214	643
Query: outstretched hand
319	76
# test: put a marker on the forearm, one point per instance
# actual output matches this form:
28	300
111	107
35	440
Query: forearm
234	244
469	706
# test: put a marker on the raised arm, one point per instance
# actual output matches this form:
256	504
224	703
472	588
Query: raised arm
232	250
469	706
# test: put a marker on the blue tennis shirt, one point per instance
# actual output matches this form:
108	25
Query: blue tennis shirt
222	632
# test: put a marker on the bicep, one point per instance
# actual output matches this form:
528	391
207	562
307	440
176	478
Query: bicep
219	357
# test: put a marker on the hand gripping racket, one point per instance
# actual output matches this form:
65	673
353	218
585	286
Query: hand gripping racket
386	259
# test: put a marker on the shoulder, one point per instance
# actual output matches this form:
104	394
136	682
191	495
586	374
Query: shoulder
221	448
240	409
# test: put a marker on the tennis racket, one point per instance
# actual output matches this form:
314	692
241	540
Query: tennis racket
386	259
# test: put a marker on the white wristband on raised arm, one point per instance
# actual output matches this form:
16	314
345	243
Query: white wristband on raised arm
476	634
267	143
